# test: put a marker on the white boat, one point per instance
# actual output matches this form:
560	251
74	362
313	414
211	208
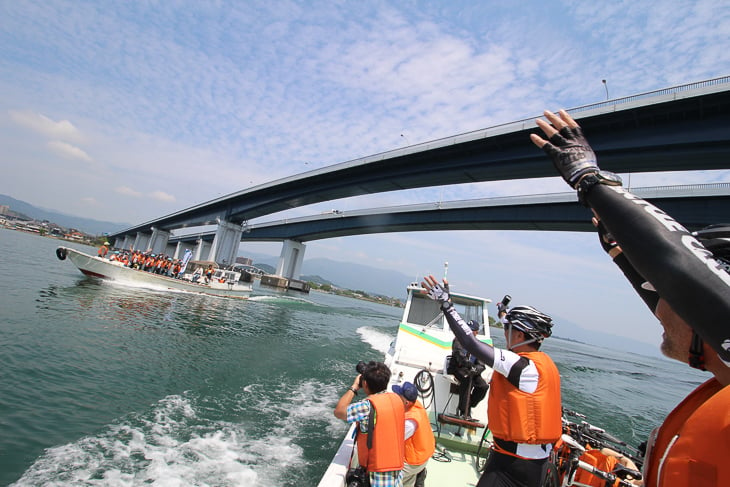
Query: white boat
419	355
226	283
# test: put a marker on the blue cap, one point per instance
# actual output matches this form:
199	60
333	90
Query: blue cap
407	390
474	325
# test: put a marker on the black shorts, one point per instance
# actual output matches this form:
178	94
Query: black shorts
508	471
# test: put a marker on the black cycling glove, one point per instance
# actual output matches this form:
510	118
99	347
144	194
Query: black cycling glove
440	294
571	154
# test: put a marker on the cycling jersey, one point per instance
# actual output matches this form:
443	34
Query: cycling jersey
682	271
522	374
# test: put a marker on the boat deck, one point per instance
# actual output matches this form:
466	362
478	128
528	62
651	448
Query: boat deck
455	461
452	468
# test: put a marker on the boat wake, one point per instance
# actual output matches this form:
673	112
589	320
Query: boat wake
182	440
377	338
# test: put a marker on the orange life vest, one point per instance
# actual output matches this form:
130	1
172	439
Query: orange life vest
422	444
387	431
522	417
598	460
692	444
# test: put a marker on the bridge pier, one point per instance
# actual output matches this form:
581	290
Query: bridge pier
225	243
128	242
290	260
158	241
141	241
288	268
201	250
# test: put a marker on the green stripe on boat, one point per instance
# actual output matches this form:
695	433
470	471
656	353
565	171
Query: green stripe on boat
429	338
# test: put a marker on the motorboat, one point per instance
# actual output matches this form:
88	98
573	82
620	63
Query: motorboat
223	282
420	354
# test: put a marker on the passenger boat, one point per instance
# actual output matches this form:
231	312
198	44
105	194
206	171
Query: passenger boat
419	354
226	283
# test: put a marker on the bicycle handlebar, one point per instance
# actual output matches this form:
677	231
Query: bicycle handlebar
609	477
586	433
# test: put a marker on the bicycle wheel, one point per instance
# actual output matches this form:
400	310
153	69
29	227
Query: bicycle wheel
551	476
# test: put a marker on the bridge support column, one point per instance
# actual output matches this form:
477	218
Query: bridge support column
290	260
141	242
226	242
201	250
178	253
127	242
158	241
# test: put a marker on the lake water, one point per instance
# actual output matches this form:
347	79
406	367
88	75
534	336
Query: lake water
103	384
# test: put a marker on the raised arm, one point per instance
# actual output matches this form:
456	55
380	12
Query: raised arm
463	333
683	272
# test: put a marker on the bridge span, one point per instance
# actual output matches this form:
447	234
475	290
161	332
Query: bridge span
683	128
695	206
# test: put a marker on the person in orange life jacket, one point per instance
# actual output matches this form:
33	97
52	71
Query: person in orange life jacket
380	440
524	414
420	443
103	250
684	278
468	369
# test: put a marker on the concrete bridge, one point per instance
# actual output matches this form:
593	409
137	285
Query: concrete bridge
677	129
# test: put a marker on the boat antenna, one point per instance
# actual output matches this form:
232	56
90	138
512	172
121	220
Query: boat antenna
446	269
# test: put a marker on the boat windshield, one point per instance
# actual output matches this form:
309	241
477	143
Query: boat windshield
426	312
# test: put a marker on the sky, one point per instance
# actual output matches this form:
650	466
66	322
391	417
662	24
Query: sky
128	111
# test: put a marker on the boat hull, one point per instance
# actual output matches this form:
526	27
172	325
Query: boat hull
105	269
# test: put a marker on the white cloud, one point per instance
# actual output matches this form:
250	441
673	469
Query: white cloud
162	196
68	151
63	130
127	191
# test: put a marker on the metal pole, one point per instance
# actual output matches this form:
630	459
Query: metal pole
605	85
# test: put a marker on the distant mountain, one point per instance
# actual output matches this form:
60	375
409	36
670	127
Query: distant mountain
86	225
568	330
357	277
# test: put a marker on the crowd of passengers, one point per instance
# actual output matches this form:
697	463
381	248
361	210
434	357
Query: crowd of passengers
161	264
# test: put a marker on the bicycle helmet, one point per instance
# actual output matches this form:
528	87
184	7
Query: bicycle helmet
716	239
528	320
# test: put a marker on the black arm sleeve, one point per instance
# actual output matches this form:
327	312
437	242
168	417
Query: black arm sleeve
463	333
650	297
682	271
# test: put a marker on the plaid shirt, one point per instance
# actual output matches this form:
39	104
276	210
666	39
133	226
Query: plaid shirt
359	412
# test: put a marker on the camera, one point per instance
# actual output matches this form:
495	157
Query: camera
357	477
360	367
506	299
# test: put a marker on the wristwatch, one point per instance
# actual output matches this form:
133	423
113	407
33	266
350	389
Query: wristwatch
590	180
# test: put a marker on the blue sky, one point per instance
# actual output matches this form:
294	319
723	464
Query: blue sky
126	111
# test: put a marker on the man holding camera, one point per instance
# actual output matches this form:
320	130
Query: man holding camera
380	417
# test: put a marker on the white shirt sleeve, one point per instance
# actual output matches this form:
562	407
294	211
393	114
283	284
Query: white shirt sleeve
504	360
411	427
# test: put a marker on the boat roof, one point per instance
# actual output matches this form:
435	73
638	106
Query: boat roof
414	286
